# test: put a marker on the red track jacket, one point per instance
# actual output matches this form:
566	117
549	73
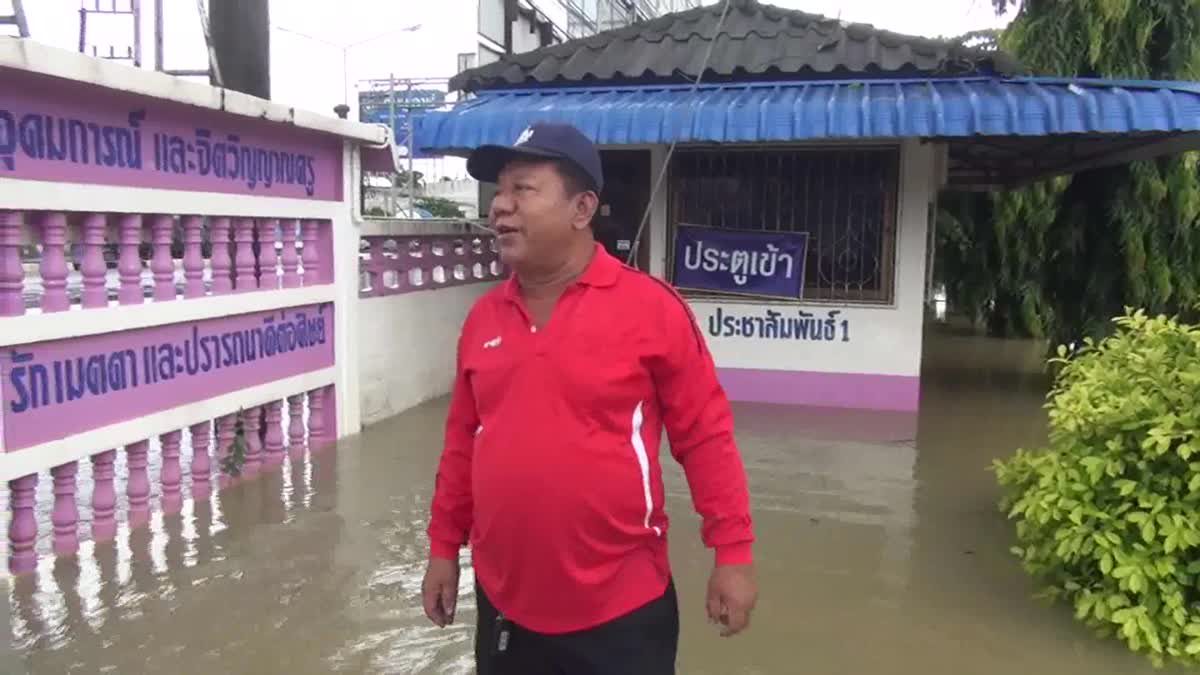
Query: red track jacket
551	470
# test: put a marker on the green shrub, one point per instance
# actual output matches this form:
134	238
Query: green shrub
1108	515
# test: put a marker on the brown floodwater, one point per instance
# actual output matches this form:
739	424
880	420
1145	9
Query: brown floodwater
880	551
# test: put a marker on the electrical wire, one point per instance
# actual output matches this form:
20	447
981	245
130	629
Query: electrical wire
637	240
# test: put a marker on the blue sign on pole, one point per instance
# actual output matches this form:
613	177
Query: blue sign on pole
740	262
376	107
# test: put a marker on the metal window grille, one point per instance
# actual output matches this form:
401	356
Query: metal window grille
845	198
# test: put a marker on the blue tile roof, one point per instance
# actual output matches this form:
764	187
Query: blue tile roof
822	110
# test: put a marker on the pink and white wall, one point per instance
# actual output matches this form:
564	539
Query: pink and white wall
183	272
418	281
873	360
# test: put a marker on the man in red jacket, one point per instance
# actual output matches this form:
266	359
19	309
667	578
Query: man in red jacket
566	375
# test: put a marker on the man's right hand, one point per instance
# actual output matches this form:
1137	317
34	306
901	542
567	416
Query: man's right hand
439	590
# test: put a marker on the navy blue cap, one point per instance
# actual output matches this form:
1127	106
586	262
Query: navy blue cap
544	140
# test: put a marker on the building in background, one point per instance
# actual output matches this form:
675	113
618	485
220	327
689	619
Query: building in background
586	17
801	166
537	23
498	28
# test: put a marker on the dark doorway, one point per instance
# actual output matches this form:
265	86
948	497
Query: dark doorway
623	202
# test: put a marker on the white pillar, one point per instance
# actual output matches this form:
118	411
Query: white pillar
917	185
345	273
656	237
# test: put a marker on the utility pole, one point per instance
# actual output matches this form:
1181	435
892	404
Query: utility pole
241	39
131	12
17	18
510	15
392	125
408	124
412	176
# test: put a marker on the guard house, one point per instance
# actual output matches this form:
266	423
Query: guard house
800	174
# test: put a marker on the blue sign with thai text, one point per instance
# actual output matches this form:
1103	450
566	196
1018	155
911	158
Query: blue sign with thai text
408	107
740	262
400	125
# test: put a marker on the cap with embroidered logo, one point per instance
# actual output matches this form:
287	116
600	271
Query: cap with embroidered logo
542	140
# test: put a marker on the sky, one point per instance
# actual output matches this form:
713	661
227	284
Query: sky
322	49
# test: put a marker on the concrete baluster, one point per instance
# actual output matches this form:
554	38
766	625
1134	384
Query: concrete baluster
193	257
218	233
494	256
478	257
22	528
375	268
268	274
93	232
12	274
399	265
290	259
201	463
309	254
104	496
316	416
296	428
129	265
54	263
273	439
172	474
162	265
325	251
226	433
329	412
137	489
65	516
477	262
244	257
252	424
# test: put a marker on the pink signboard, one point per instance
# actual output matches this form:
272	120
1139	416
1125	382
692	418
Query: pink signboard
51	390
60	130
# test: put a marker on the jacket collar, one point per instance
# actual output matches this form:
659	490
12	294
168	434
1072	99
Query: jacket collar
601	272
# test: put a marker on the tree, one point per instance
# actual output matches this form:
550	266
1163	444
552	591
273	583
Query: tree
400	179
1060	258
440	208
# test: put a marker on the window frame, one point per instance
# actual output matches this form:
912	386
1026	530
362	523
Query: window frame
884	297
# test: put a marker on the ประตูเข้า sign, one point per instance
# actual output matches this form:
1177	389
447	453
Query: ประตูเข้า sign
739	262
51	390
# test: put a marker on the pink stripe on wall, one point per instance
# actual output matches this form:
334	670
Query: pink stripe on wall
826	390
51	390
68	131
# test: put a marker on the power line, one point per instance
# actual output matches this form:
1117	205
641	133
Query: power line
637	239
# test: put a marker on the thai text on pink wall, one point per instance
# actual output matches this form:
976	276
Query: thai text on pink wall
55	130
52	390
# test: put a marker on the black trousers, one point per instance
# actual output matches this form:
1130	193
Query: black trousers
643	642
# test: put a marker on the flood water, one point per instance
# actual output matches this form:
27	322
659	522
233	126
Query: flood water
880	551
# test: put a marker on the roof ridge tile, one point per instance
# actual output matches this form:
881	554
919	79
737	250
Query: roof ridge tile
810	43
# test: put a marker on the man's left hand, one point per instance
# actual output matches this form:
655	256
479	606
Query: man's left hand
732	593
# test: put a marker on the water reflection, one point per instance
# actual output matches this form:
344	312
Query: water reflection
176	588
880	551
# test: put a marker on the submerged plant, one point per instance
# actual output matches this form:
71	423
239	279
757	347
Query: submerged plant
1108	514
231	463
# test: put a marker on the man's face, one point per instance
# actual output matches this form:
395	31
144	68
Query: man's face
534	217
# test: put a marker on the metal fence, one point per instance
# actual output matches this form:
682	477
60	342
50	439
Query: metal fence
844	198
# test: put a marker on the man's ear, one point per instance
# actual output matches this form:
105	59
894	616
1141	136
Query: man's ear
585	210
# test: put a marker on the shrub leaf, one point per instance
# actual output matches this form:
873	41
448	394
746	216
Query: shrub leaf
1107	513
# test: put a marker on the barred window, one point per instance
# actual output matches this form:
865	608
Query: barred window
844	198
